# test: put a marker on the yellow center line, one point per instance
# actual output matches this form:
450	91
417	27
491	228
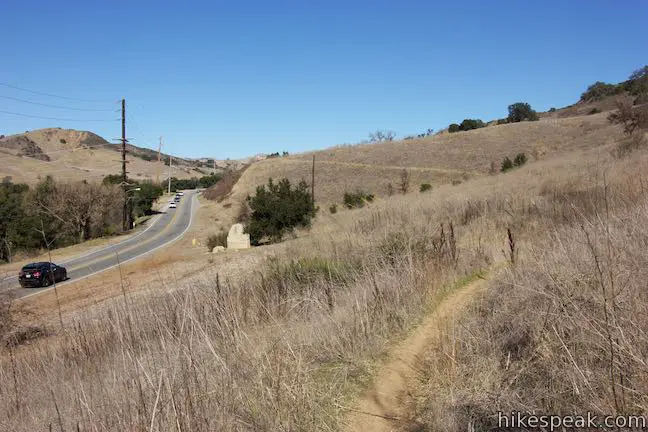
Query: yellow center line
121	252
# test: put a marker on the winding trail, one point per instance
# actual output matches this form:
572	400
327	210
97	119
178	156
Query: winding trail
382	407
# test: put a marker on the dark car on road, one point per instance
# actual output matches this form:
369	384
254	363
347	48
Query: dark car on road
41	274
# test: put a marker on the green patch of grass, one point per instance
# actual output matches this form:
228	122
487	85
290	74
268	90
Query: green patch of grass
307	270
142	219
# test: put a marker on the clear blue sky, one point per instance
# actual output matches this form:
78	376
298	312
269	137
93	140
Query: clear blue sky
231	79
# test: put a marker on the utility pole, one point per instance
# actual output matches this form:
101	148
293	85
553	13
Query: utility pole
313	184
157	178
170	161
125	221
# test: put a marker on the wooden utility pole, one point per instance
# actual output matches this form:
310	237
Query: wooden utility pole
157	178
313	184
170	161
125	221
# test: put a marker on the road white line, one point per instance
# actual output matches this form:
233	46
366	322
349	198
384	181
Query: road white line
191	215
150	225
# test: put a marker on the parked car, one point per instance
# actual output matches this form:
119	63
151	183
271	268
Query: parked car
41	274
172	205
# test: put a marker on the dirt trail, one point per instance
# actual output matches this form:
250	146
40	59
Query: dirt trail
381	408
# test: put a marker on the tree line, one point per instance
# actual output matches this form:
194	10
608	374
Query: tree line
54	214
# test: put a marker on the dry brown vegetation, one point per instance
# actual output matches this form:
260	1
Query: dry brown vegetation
563	330
287	345
436	160
74	156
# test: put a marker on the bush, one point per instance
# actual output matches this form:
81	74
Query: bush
278	210
552	109
521	111
594	111
631	118
216	240
507	164
425	187
333	208
62	141
356	199
600	90
404	181
520	159
467	124
306	271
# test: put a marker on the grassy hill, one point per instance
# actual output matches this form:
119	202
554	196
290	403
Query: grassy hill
68	154
437	159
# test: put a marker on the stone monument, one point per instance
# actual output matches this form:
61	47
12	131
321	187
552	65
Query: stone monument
236	239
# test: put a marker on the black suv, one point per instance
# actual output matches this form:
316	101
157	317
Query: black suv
41	274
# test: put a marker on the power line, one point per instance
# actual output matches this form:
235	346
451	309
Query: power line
54	96
56	118
57	106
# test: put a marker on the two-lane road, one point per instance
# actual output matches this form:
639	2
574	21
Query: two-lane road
166	228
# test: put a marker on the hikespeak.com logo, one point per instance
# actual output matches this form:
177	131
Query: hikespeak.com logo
518	420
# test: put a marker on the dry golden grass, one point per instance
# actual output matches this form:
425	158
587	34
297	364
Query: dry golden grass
563	330
72	161
436	160
287	342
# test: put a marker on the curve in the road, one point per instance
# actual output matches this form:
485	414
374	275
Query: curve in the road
98	251
171	227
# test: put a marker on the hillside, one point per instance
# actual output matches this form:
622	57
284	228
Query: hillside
69	154
437	159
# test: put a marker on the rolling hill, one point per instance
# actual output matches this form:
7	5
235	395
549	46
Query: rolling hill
438	159
68	154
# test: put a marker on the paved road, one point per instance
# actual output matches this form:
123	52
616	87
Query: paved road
170	225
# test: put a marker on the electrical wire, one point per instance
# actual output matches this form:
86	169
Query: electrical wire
58	106
54	96
56	118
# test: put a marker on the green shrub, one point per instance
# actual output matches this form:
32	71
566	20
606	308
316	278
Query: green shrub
600	90
216	240
466	125
356	199
594	111
333	208
521	111
551	110
507	164
278	210
425	187
306	271
520	159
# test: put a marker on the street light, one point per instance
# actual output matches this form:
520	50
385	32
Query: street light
126	224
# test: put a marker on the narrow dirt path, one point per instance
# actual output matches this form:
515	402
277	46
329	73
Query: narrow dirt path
381	408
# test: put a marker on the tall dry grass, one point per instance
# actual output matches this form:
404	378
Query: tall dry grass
284	349
563	331
289	346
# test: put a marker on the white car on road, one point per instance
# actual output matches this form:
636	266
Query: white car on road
172	205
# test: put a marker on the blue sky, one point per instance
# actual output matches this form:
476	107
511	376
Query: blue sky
232	79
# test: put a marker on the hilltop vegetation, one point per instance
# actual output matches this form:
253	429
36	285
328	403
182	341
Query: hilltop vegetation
636	85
